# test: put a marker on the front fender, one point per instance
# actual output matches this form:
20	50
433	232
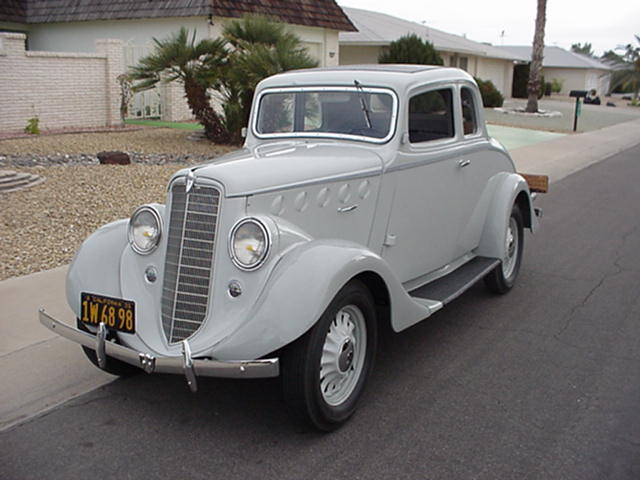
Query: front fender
509	188
96	266
301	287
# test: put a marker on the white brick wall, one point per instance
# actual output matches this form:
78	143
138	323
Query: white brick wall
64	90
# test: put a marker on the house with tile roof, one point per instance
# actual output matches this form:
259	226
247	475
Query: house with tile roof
576	71
375	31
75	25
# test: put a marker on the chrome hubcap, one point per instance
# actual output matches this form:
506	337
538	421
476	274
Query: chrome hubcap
343	355
511	249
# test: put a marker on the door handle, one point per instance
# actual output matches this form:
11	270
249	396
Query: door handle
464	163
347	209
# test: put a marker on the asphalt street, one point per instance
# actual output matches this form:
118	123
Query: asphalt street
543	383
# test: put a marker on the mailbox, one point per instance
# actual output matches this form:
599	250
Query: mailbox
577	94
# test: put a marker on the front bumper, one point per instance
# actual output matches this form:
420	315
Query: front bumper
185	365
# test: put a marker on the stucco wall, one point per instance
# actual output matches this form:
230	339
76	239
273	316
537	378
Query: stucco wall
579	79
358	55
500	72
574	78
62	89
81	36
137	36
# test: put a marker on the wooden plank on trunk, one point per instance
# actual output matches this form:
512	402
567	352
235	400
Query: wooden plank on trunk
537	183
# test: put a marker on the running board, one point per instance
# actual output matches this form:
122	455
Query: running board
453	285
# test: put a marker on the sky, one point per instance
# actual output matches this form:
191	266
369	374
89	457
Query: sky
605	25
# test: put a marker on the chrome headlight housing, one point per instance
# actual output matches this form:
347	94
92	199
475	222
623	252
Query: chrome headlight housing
249	244
145	229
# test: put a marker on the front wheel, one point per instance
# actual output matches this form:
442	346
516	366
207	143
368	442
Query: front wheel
324	372
503	277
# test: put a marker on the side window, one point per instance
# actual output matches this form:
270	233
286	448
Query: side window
431	116
276	113
469	121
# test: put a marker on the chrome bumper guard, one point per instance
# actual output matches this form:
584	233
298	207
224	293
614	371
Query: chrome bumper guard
189	367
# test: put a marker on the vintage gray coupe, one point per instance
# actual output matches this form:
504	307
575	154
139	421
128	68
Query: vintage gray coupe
364	197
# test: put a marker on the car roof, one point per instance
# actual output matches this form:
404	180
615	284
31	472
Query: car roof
398	77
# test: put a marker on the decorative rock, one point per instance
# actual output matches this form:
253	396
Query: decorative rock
113	158
11	181
522	112
31	160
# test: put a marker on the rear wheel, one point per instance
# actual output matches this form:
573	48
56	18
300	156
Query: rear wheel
503	277
325	371
113	366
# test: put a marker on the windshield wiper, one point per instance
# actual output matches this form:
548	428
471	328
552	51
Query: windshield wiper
363	103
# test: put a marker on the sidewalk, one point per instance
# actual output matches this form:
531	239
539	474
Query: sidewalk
566	155
39	370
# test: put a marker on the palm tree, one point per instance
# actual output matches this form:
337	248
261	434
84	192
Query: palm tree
533	87
261	48
198	65
627	69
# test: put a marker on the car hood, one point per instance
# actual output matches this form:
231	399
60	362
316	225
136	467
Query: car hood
282	165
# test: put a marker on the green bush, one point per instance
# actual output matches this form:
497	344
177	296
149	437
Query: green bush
33	126
491	96
411	49
556	85
548	88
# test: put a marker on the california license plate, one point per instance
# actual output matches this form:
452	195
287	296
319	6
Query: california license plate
115	313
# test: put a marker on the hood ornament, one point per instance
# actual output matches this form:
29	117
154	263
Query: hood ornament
191	179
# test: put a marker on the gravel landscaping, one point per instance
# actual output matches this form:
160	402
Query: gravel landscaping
141	143
42	227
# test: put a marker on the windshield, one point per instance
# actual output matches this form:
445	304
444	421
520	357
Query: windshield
355	112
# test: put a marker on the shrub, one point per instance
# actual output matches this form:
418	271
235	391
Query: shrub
491	96
548	88
411	49
33	126
230	67
556	85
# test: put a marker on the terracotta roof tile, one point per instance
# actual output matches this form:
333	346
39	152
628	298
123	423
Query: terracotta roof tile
13	11
314	13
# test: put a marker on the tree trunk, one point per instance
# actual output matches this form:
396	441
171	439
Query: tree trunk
198	101
533	87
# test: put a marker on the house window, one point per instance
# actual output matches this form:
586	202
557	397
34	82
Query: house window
431	116
453	61
469	122
463	63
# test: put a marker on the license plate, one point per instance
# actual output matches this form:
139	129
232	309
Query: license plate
115	313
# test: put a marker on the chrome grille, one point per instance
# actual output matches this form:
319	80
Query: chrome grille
189	260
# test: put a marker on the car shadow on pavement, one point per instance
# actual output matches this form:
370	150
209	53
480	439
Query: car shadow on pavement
238	408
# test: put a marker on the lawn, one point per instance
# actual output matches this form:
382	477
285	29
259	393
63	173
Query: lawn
160	123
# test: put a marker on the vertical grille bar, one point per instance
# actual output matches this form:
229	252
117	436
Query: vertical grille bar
188	264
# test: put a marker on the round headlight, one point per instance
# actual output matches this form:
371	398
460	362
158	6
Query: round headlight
145	227
249	244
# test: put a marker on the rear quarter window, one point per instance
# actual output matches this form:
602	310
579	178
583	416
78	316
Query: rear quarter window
431	116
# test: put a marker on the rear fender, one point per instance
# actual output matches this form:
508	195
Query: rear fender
510	189
299	290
